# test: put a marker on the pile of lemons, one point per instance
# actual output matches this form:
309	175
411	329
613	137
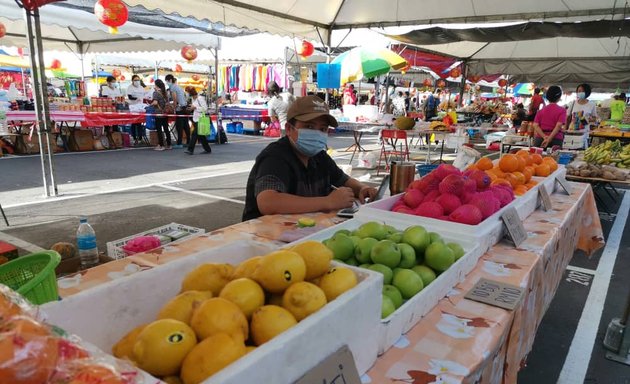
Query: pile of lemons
224	312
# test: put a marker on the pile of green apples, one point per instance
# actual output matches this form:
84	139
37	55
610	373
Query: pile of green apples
409	260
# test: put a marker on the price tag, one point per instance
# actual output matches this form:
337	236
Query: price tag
564	184
545	199
498	294
338	368
514	226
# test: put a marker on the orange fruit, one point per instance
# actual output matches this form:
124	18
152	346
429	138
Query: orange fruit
531	184
522	163
97	374
543	170
509	163
520	176
497	171
492	176
551	163
484	164
512	179
27	359
520	190
501	182
528	160
536	158
531	169
472	167
528	172
523	152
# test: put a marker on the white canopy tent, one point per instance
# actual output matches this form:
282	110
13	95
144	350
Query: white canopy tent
302	17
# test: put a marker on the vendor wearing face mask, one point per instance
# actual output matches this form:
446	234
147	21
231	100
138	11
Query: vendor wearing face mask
295	174
136	93
111	89
582	112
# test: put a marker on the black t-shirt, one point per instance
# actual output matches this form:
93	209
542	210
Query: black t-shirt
278	168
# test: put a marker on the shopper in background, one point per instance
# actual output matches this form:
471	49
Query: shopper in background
277	106
349	97
160	99
618	107
519	116
112	91
549	121
178	98
431	105
582	112
135	93
198	106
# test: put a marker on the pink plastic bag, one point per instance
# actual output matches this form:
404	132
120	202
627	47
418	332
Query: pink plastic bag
141	244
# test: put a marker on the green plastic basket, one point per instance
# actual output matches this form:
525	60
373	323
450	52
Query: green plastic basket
33	276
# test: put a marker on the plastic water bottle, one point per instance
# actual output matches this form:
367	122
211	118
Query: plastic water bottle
86	240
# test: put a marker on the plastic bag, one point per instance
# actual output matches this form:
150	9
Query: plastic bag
141	244
367	160
203	125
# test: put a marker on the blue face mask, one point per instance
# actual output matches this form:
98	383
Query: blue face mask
310	142
581	95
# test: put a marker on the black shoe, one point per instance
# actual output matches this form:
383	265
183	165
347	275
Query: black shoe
188	152
208	152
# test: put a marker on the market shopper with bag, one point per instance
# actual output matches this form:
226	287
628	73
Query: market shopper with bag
178	98
582	112
277	108
201	123
160	102
549	121
295	174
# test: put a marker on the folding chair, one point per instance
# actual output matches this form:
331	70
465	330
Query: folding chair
4	216
389	138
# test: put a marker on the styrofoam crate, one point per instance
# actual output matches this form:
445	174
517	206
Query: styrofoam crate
408	315
103	314
115	251
487	233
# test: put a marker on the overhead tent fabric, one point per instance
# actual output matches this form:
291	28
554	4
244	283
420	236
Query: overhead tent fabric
301	17
66	29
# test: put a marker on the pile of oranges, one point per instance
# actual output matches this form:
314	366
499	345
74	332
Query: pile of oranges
517	170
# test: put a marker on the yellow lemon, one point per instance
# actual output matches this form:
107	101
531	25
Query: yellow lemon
246	293
162	346
123	349
270	321
172	380
210	356
208	277
316	256
274	299
219	315
337	281
181	307
302	299
246	268
278	270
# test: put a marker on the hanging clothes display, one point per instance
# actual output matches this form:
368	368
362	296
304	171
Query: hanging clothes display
250	77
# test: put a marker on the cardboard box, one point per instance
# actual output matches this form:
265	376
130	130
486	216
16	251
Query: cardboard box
82	140
408	315
118	140
105	313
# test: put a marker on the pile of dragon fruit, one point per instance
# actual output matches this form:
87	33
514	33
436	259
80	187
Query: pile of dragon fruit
452	195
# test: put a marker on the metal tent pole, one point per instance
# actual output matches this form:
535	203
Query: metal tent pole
216	81
463	83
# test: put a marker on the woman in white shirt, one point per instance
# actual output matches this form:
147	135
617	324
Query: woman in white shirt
277	106
198	106
582	112
136	93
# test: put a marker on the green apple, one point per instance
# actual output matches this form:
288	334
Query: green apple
426	274
408	283
364	249
408	256
386	271
365	266
390	229
343	231
352	261
417	237
439	257
387	307
435	237
355	240
341	245
394	294
457	249
395	237
372	229
386	252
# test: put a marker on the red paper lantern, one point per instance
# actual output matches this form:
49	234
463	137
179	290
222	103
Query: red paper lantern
503	83
178	68
195	77
455	72
427	82
3	30
441	83
152	80
189	53
122	78
55	64
32	5
475	78
306	49
112	13
116	73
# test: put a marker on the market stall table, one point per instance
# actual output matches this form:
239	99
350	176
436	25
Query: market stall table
601	184
67	121
460	340
358	129
610	134
251	113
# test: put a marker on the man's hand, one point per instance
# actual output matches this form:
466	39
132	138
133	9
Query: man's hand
342	197
367	192
546	141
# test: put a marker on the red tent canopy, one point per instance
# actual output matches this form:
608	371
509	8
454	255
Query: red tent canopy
419	58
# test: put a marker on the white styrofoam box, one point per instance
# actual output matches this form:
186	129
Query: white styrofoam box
408	315
104	314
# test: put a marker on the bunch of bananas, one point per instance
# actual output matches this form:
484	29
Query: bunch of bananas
610	152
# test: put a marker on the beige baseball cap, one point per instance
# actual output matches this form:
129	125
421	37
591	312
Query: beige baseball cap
308	108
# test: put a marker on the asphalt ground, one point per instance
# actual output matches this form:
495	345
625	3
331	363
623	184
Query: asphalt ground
123	192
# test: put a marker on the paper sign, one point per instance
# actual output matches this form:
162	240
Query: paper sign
338	368
498	294
544	197
564	184
514	225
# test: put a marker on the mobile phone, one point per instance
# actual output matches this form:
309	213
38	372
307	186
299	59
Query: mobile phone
381	189
349	212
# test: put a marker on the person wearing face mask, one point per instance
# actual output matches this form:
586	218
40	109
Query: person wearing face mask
582	112
198	106
112	91
295	174
178	98
135	93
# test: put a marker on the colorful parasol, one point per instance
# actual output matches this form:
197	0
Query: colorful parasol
524	89
362	62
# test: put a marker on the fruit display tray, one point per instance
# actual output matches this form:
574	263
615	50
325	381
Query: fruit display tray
487	233
104	314
408	314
